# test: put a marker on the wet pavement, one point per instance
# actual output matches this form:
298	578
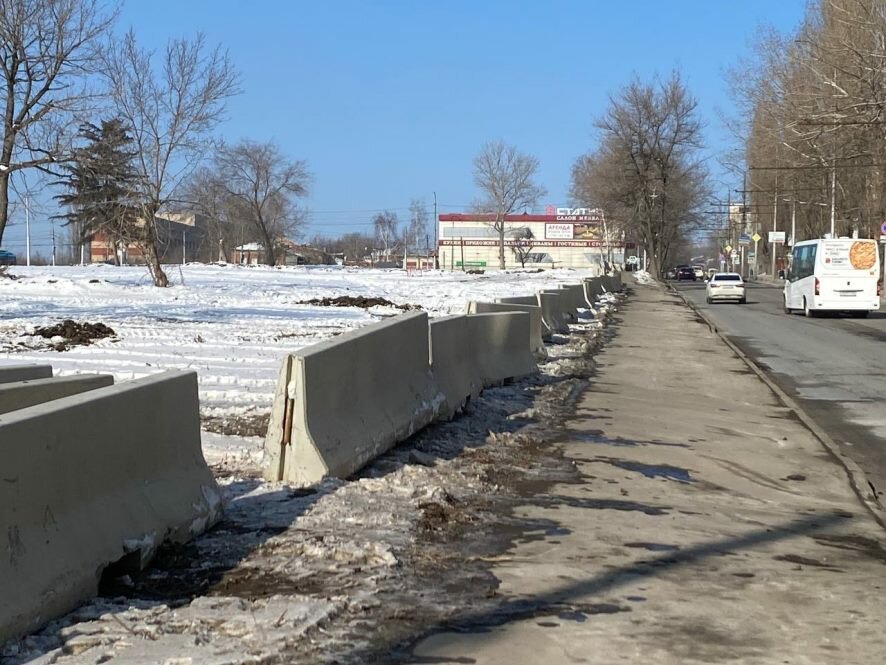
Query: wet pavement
702	524
833	365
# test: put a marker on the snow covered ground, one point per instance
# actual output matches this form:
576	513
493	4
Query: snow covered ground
232	324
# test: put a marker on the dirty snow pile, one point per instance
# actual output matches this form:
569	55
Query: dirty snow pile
232	324
643	277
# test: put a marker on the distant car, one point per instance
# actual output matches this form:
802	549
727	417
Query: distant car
685	272
699	272
7	258
726	286
711	272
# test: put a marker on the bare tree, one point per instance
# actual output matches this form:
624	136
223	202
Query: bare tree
203	194
47	52
385	225
505	176
646	172
416	234
261	187
811	107
523	245
172	108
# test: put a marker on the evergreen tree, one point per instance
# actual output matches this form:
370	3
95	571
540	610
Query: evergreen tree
101	183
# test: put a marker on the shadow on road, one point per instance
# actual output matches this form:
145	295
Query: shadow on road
574	597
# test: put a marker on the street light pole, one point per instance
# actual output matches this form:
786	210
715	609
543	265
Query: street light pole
773	246
27	230
833	197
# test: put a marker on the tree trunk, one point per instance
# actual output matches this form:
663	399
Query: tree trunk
270	254
4	202
152	259
148	247
501	243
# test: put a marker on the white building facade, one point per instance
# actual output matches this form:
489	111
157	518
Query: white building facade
561	238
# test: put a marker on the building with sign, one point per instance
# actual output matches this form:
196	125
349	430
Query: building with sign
561	238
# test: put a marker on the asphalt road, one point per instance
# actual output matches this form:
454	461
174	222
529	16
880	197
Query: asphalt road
835	367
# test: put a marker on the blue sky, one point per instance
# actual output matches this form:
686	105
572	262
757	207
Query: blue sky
390	100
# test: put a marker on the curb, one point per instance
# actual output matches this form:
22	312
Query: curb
857	478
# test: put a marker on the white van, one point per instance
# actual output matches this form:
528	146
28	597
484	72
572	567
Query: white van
841	275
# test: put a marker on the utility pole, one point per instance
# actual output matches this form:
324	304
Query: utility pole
27	230
744	220
436	242
184	249
773	246
833	196
834	166
53	244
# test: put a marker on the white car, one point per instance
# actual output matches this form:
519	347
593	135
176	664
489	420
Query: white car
726	286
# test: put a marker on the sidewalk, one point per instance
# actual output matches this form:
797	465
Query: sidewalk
707	525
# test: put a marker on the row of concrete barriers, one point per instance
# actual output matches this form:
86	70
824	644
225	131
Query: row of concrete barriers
94	475
341	403
97	475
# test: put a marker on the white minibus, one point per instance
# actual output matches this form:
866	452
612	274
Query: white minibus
840	275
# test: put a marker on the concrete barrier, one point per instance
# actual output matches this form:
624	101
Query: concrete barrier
345	401
593	289
575	296
94	479
536	327
22	394
10	373
553	311
546	331
454	362
519	300
502	348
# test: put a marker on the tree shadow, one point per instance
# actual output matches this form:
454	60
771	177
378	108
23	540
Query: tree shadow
576	597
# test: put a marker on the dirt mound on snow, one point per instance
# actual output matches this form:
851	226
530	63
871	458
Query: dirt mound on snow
357	301
74	334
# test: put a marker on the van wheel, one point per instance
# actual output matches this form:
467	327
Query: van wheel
808	313
787	310
709	301
860	314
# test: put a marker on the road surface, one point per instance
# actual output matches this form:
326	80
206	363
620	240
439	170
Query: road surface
835	367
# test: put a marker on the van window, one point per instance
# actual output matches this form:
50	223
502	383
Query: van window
804	261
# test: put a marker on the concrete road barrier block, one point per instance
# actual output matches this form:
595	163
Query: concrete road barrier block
593	289
519	300
10	373
22	394
567	304
536	327
529	300
454	362
575	297
553	311
350	399
92	479
502	346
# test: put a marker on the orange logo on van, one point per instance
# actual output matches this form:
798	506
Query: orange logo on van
863	255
